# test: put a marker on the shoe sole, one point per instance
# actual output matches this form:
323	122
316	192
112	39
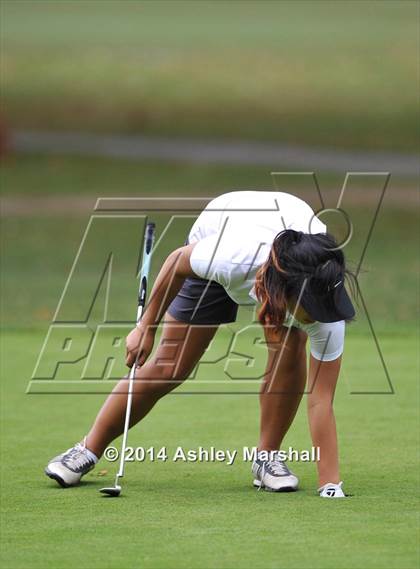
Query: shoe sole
257	484
57	478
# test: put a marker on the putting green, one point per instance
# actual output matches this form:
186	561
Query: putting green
178	514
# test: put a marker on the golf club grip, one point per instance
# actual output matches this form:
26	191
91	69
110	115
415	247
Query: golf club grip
148	244
142	291
150	233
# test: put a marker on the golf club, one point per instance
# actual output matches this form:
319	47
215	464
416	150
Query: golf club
115	491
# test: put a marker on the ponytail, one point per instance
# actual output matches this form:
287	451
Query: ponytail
270	291
296	256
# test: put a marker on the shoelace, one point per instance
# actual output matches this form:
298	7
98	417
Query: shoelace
276	466
77	454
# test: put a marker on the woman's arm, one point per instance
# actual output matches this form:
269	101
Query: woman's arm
322	382
171	276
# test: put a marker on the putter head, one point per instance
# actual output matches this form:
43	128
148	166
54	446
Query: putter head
113	491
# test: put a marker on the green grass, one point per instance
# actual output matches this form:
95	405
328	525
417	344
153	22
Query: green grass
322	73
52	175
204	514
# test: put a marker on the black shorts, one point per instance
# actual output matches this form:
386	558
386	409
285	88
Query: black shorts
203	302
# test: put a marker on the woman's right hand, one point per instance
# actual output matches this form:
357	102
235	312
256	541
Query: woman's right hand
141	338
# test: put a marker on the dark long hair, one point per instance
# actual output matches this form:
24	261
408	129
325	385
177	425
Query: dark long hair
293	257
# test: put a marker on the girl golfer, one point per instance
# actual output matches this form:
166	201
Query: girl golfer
245	247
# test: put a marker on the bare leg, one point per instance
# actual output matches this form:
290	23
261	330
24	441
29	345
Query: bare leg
283	386
180	348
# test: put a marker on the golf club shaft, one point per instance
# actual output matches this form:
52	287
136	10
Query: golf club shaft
144	274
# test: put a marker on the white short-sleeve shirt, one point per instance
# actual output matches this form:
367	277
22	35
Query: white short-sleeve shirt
233	237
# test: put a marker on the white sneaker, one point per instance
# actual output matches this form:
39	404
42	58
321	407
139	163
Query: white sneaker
68	468
273	474
331	490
